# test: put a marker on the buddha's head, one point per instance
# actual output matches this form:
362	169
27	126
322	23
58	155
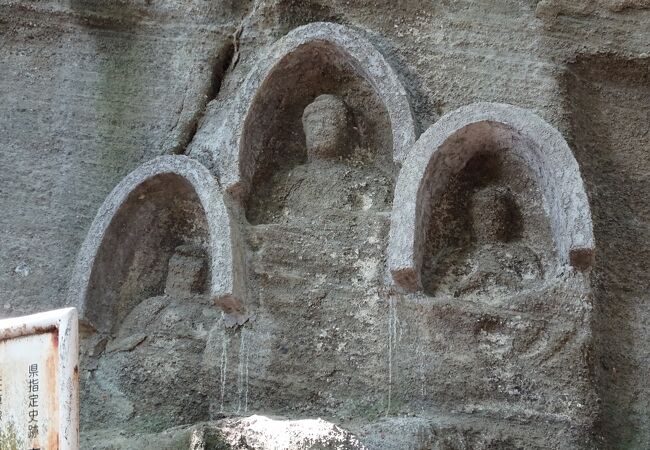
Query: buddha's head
493	213
326	125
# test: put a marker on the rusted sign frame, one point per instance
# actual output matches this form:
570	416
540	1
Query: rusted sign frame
65	322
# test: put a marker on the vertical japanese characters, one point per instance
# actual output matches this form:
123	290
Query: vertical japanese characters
33	395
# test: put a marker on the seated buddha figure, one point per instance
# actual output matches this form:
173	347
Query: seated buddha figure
498	258
336	165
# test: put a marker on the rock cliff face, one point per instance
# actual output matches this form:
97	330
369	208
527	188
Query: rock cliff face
405	291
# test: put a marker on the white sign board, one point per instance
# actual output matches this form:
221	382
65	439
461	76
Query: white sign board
39	381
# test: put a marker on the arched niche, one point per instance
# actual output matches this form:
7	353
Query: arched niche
168	203
444	150
307	54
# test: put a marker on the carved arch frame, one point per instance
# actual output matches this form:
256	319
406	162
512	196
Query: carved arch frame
226	260
443	151
237	165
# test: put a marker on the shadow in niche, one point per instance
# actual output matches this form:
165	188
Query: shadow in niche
487	230
609	103
311	71
311	218
160	216
144	369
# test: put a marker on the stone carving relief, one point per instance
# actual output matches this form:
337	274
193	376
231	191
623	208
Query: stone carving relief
326	187
318	115
161	249
317	163
169	206
450	147
230	138
488	231
333	157
491	230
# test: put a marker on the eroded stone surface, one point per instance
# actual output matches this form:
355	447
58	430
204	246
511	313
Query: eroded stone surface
609	107
92	89
493	212
169	201
446	147
187	271
488	234
233	149
326	126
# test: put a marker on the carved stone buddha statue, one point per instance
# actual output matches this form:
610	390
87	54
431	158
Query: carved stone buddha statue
335	165
326	123
498	257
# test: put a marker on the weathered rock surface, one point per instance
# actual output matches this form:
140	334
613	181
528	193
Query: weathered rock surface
326	125
89	90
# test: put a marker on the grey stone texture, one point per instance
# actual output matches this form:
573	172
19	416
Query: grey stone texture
484	357
490	211
326	125
448	145
228	137
123	237
609	117
186	272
